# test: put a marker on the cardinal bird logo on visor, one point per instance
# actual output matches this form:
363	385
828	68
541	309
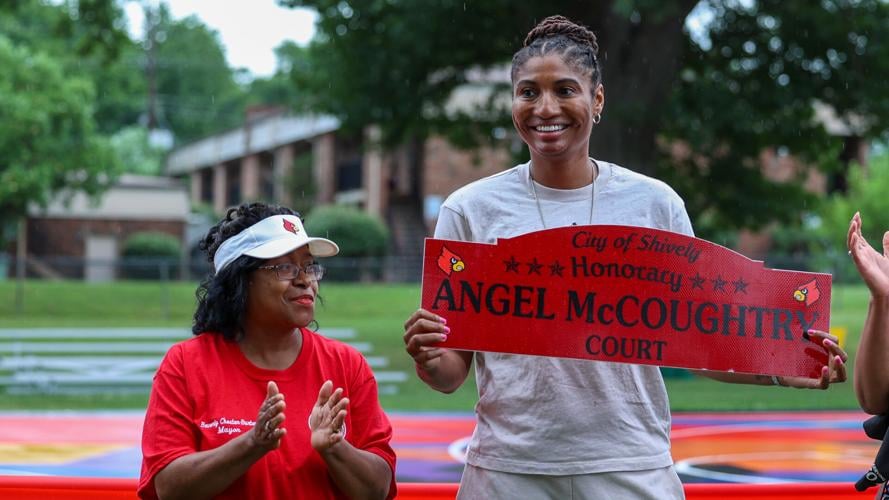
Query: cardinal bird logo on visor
449	262
808	293
289	226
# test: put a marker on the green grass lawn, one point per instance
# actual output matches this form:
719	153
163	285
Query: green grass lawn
377	312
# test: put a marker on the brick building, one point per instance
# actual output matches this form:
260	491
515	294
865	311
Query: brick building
82	238
404	187
258	161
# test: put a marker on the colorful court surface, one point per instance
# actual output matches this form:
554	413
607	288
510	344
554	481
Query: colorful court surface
763	447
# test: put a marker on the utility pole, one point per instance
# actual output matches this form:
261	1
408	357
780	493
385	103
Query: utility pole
158	134
21	255
151	23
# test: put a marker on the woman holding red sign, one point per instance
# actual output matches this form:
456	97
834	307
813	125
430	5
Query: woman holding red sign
553	427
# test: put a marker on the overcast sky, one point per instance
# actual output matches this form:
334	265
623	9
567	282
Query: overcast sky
249	29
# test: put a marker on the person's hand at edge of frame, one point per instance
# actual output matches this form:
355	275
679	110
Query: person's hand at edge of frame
872	265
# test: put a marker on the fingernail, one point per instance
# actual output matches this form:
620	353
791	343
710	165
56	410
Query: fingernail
444	337
442	320
447	329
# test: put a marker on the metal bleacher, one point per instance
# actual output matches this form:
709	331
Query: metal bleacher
118	360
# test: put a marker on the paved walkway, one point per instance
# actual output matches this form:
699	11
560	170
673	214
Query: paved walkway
763	447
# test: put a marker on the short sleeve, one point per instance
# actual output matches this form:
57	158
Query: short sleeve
168	432
680	222
371	429
452	225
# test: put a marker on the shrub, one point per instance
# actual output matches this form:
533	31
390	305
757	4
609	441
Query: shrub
362	239
358	234
146	252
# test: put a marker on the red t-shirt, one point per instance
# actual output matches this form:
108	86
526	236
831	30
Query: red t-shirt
206	393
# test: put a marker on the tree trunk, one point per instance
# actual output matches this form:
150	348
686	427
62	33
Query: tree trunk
640	63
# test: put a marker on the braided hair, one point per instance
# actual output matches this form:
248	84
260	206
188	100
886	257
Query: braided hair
576	45
222	296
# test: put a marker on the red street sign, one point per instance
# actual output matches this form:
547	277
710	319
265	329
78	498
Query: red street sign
627	294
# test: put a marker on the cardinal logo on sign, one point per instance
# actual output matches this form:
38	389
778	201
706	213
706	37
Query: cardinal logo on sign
808	293
450	262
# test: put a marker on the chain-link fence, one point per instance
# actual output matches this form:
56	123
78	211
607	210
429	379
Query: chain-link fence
388	269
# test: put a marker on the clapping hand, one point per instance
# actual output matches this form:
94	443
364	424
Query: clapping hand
267	432
328	415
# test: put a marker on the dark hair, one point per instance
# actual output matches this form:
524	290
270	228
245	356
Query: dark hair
576	45
222	296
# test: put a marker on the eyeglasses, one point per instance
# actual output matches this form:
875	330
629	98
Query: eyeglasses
287	272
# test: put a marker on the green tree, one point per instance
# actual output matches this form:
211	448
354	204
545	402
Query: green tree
196	90
279	89
48	139
88	40
752	82
95	25
396	62
121	88
748	81
76	29
50	53
137	155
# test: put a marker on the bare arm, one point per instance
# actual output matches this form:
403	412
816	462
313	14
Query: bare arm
205	474
357	473
872	358
872	361
736	378
444	370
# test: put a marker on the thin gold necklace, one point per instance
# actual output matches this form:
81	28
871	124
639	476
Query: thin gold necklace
592	194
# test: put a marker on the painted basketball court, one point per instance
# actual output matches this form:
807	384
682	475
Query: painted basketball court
765	447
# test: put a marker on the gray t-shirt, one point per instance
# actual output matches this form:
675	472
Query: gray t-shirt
555	416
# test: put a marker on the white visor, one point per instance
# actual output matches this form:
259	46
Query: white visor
269	238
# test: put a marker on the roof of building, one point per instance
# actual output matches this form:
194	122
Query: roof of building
264	134
132	197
